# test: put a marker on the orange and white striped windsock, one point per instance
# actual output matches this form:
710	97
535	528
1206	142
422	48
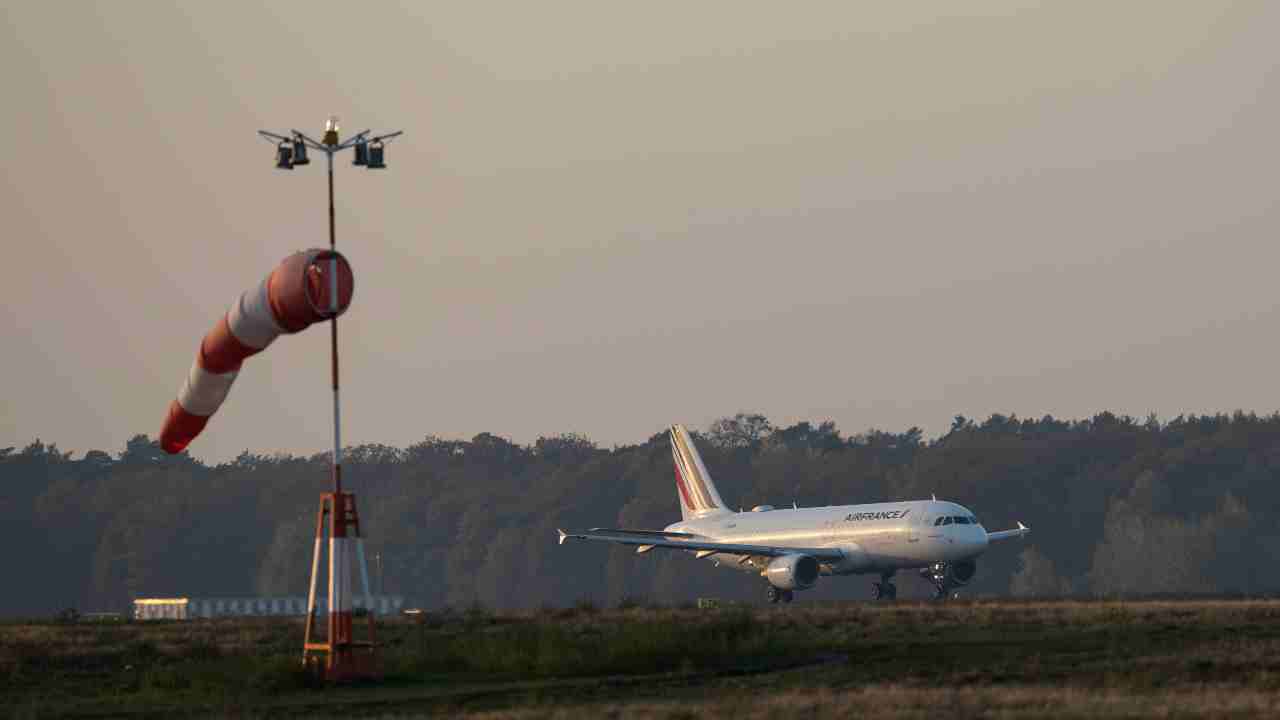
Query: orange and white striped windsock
305	288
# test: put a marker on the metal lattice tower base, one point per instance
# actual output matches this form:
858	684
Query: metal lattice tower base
340	657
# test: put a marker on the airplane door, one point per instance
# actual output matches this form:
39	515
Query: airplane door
914	527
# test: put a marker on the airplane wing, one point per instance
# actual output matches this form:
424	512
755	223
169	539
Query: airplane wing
648	539
647	533
1021	531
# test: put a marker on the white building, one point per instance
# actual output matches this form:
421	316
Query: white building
192	608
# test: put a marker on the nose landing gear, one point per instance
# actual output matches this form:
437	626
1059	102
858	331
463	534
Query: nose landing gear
943	589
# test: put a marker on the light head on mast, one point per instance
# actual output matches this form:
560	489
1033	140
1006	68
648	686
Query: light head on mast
331	131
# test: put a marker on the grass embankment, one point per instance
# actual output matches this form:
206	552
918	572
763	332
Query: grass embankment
64	668
1054	659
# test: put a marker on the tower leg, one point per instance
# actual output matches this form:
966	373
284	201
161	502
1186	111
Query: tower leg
345	658
368	594
309	634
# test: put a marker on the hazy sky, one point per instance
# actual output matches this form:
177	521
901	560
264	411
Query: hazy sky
605	217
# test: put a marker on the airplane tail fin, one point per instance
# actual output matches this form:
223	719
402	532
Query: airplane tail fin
698	496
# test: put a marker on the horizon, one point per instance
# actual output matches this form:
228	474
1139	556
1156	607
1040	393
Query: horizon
926	438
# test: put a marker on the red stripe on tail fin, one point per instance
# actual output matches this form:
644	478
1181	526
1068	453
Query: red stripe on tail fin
684	493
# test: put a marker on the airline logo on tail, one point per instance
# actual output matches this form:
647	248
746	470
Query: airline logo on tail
698	496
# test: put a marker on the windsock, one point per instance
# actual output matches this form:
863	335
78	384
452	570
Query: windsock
305	288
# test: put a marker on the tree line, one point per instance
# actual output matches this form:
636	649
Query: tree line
1118	506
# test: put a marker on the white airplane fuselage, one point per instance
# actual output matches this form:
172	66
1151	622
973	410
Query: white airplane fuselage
874	538
790	548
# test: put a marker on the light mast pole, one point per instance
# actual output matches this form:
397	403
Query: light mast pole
333	342
344	657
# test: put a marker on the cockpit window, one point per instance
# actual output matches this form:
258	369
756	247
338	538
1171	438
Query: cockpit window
938	522
947	520
962	520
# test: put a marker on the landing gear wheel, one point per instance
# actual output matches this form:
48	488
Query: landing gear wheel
773	594
788	596
941	592
884	591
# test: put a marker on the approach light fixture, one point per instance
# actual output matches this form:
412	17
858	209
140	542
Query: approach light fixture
375	156
284	156
331	131
293	149
300	152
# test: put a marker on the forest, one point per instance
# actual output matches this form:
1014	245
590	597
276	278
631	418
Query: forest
1118	507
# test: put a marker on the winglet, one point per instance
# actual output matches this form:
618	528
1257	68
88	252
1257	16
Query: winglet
1023	528
563	535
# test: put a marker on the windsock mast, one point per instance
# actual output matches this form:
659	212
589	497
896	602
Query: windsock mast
344	658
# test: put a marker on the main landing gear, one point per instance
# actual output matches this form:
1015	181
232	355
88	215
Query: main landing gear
775	594
885	589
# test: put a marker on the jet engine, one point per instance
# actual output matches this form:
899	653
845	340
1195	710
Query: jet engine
960	573
792	572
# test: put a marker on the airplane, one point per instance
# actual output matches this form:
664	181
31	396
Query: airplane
792	548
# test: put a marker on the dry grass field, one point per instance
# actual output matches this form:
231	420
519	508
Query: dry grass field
966	659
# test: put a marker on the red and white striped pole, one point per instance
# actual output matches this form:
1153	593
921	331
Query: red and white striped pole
341	658
344	660
340	635
333	342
